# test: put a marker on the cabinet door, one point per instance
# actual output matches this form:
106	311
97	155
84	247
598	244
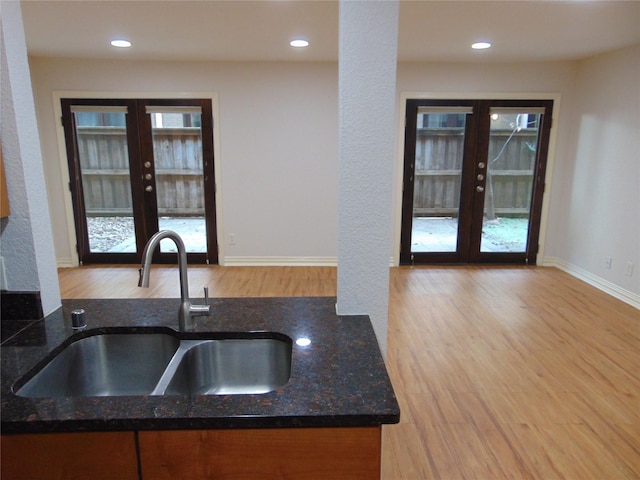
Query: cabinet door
70	456
303	454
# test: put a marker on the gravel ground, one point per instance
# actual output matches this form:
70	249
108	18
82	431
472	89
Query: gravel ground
108	232
505	235
117	234
441	235
500	235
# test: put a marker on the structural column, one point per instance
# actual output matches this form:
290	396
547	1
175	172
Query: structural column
28	255
367	94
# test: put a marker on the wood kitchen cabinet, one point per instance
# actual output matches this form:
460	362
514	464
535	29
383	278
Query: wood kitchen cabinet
300	453
69	456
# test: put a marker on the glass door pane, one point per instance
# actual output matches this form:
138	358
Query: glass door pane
513	141
101	137
177	155
439	154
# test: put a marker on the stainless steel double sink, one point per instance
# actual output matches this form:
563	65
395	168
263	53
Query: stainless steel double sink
114	364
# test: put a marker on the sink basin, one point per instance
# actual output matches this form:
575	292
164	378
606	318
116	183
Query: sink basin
105	365
228	367
116	364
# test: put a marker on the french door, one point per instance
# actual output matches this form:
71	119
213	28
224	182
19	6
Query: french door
474	175
137	167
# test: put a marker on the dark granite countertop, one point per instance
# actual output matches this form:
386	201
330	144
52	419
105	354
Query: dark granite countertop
338	380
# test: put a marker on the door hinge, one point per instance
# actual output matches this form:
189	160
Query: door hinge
62	121
70	187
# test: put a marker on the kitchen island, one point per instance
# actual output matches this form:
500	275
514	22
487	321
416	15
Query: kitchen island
325	420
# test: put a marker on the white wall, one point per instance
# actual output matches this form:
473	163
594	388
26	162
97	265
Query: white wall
278	137
499	78
278	146
597	212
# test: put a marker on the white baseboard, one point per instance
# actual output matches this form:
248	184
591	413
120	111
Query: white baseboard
239	261
65	263
279	261
594	280
584	275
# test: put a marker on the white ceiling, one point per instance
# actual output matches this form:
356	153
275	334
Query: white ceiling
238	30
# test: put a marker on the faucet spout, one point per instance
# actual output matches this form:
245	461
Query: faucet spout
187	310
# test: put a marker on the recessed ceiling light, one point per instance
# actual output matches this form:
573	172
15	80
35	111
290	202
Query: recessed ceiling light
299	43
481	45
120	43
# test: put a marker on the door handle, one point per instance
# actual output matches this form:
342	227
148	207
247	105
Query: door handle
480	189
148	188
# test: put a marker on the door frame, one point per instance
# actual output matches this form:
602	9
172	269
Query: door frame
399	163
63	165
466	178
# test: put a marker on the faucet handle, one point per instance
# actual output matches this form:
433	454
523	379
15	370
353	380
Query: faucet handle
201	310
206	295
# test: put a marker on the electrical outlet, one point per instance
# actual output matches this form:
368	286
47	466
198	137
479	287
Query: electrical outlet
607	263
629	269
232	239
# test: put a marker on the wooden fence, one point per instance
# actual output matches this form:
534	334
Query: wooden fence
105	171
179	182
438	170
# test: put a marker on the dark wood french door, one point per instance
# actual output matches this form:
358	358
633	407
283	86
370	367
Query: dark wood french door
474	176
137	167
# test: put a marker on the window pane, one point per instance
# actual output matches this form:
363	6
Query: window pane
104	165
177	150
438	171
512	156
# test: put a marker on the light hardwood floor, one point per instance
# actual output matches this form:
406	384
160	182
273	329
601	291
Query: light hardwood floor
501	372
